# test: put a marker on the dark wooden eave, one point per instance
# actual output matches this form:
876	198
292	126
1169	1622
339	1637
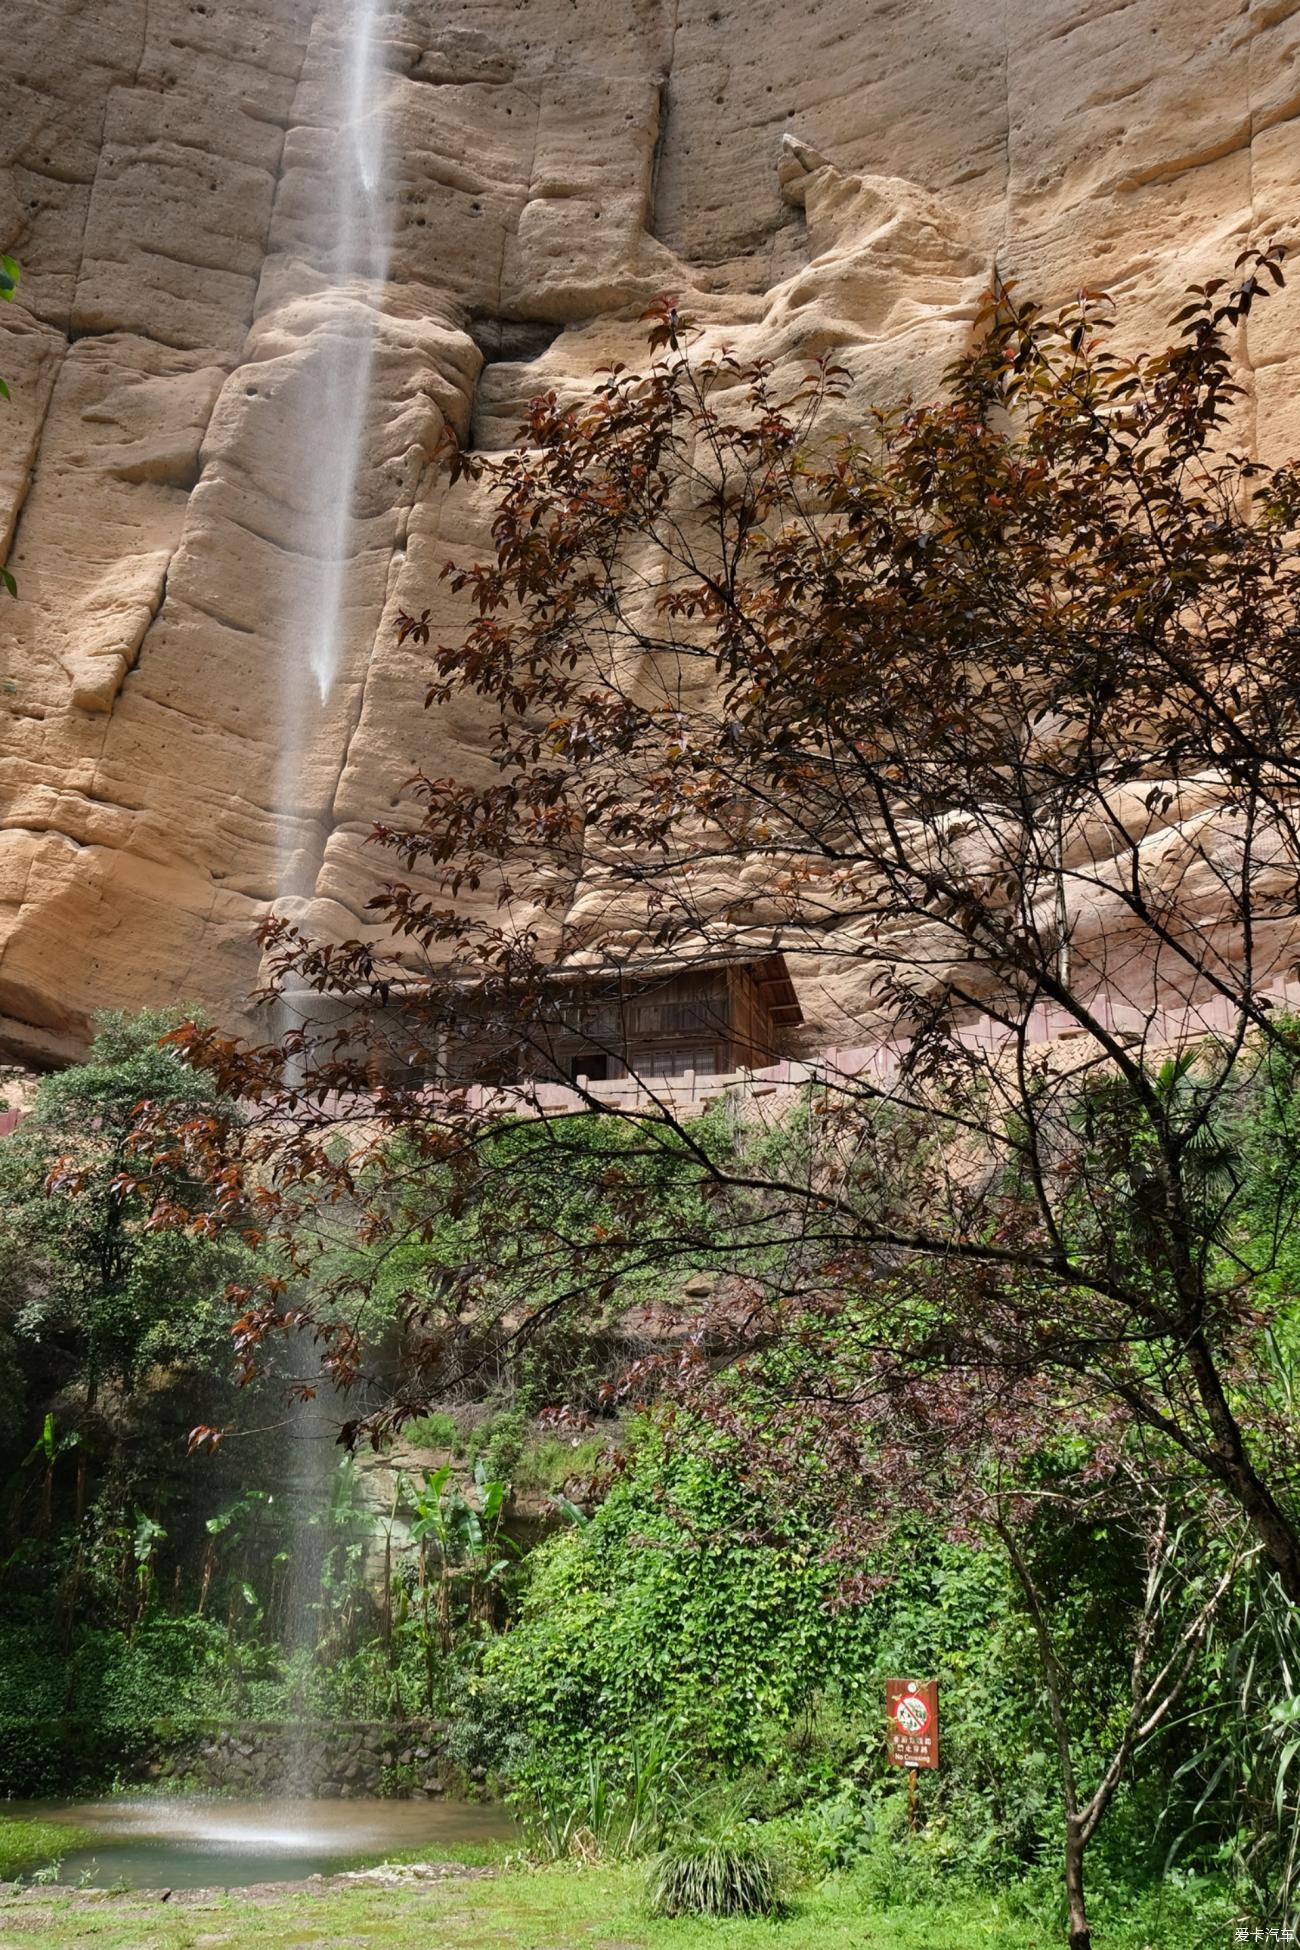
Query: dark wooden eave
768	971
772	979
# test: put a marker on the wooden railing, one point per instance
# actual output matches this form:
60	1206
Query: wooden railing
1159	1029
877	1062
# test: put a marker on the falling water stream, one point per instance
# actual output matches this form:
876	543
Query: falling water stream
331	402
331	407
360	255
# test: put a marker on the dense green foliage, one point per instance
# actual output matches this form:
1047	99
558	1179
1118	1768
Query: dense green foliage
101	1663
93	1293
684	1671
83	1710
142	1595
686	1610
682	1659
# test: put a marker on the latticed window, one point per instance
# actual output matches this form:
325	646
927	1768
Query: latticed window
677	1018
675	1062
663	1022
591	1019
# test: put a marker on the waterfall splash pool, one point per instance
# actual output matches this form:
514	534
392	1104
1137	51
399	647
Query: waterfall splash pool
197	1842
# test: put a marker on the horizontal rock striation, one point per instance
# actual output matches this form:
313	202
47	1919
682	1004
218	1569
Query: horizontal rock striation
850	180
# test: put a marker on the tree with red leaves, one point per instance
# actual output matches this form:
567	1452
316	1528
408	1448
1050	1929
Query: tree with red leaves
985	713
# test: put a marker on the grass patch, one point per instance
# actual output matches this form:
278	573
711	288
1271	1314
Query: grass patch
27	1845
597	1908
497	1853
534	1464
436	1431
548	1462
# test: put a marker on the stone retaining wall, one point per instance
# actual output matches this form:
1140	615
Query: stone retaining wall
327	1761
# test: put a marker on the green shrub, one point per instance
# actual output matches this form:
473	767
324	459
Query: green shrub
84	1713
827	1835
435	1431
499	1441
483	1732
626	1804
548	1462
732	1872
662	1616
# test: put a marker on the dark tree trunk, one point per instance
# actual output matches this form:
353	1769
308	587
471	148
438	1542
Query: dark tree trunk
1080	1934
1270	1523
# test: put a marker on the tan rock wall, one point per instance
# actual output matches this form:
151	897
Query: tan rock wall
550	164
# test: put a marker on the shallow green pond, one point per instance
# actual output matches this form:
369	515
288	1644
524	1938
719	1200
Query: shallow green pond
154	1841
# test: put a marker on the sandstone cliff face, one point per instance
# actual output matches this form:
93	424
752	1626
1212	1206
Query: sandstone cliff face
848	173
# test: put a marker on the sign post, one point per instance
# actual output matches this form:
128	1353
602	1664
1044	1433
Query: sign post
912	1720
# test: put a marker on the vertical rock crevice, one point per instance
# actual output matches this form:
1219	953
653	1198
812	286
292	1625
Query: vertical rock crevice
157	507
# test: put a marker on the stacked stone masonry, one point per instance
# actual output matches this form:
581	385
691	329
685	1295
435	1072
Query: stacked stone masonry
329	1762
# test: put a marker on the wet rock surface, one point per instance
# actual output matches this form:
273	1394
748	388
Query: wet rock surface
329	1763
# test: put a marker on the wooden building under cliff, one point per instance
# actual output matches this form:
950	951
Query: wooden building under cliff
710	1016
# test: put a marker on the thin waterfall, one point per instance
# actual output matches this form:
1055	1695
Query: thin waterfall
338	320
361	256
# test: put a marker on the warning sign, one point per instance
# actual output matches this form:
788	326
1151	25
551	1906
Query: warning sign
912	1707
